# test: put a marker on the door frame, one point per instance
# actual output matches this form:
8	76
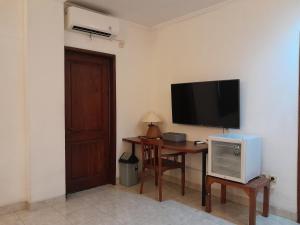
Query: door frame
113	114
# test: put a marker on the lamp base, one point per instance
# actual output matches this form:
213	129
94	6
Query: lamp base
153	131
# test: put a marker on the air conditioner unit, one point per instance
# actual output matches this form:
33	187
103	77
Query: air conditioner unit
91	22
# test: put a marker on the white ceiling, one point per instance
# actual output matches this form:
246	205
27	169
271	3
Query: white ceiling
147	12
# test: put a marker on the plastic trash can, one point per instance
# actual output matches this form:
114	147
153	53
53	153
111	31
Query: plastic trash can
128	167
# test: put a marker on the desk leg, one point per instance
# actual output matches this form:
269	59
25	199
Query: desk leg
156	164
133	149
204	154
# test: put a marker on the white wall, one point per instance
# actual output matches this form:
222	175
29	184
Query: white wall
257	42
32	94
133	76
12	138
45	99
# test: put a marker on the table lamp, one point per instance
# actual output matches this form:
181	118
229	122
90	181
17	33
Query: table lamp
153	130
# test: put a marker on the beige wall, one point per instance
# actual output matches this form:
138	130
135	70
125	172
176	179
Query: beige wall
257	42
12	138
32	75
45	99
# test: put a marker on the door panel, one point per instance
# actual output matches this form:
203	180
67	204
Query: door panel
89	87
98	154
90	120
79	161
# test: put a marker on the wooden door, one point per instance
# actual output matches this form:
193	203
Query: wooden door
90	119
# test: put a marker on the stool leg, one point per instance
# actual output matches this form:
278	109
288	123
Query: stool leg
223	193
252	207
208	197
266	200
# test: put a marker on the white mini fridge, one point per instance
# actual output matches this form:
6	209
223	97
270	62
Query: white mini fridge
234	157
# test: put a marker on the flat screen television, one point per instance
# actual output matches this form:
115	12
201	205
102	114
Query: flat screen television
211	103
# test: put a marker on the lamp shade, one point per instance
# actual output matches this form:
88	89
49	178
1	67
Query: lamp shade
151	117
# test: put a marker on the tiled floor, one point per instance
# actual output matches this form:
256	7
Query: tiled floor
117	205
232	212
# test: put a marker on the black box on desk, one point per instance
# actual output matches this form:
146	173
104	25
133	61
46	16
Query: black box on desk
174	137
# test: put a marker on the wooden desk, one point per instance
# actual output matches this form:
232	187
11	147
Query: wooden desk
187	147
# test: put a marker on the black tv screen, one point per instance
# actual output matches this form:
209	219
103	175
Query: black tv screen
211	103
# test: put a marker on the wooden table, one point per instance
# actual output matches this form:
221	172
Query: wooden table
186	147
251	189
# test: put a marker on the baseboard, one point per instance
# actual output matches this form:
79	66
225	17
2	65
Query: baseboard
7	209
243	200
45	203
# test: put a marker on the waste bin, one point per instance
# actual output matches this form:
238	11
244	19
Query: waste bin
128	165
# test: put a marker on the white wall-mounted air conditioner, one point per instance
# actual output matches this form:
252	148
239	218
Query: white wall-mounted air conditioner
91	22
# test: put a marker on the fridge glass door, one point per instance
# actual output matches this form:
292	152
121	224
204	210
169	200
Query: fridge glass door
226	159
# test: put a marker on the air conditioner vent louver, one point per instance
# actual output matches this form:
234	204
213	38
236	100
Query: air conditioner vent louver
91	31
91	22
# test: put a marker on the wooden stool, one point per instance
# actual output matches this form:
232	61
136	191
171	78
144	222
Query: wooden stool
251	189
